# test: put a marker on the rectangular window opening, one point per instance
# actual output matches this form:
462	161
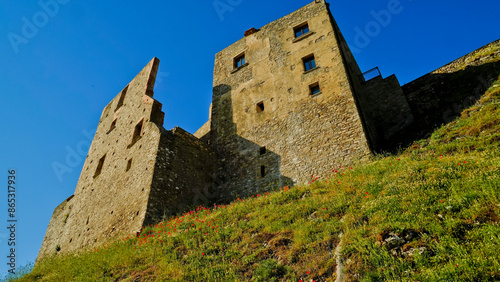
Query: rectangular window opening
309	63
263	150
314	88
301	30
137	132
263	171
239	61
122	98
129	165
260	107
99	166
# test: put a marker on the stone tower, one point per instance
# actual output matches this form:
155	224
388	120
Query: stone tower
285	104
135	173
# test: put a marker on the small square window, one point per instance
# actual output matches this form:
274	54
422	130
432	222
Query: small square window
260	107
239	61
314	89
301	30
309	63
263	150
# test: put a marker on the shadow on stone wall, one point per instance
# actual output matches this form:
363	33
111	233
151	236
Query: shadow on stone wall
245	168
436	99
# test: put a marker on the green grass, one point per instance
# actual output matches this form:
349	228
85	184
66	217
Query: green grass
440	197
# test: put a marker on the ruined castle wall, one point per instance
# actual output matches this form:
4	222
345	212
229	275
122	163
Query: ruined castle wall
381	104
386	110
183	177
203	130
440	96
56	228
356	83
113	190
303	134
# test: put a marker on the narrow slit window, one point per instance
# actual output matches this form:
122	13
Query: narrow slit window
137	132
113	125
263	171
239	61
314	89
263	150
260	107
309	63
129	165
99	166
122	98
301	30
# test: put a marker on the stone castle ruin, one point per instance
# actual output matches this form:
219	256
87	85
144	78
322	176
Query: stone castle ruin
289	101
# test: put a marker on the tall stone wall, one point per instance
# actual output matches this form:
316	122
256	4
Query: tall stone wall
354	77
183	175
113	189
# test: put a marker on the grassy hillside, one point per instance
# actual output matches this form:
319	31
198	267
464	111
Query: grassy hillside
430	213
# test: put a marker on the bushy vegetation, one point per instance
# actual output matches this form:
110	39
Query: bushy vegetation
429	213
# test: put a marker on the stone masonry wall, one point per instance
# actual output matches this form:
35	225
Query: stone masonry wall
266	129
386	110
303	134
183	177
113	202
356	83
440	96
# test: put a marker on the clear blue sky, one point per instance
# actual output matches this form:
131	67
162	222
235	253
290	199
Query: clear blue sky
60	65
